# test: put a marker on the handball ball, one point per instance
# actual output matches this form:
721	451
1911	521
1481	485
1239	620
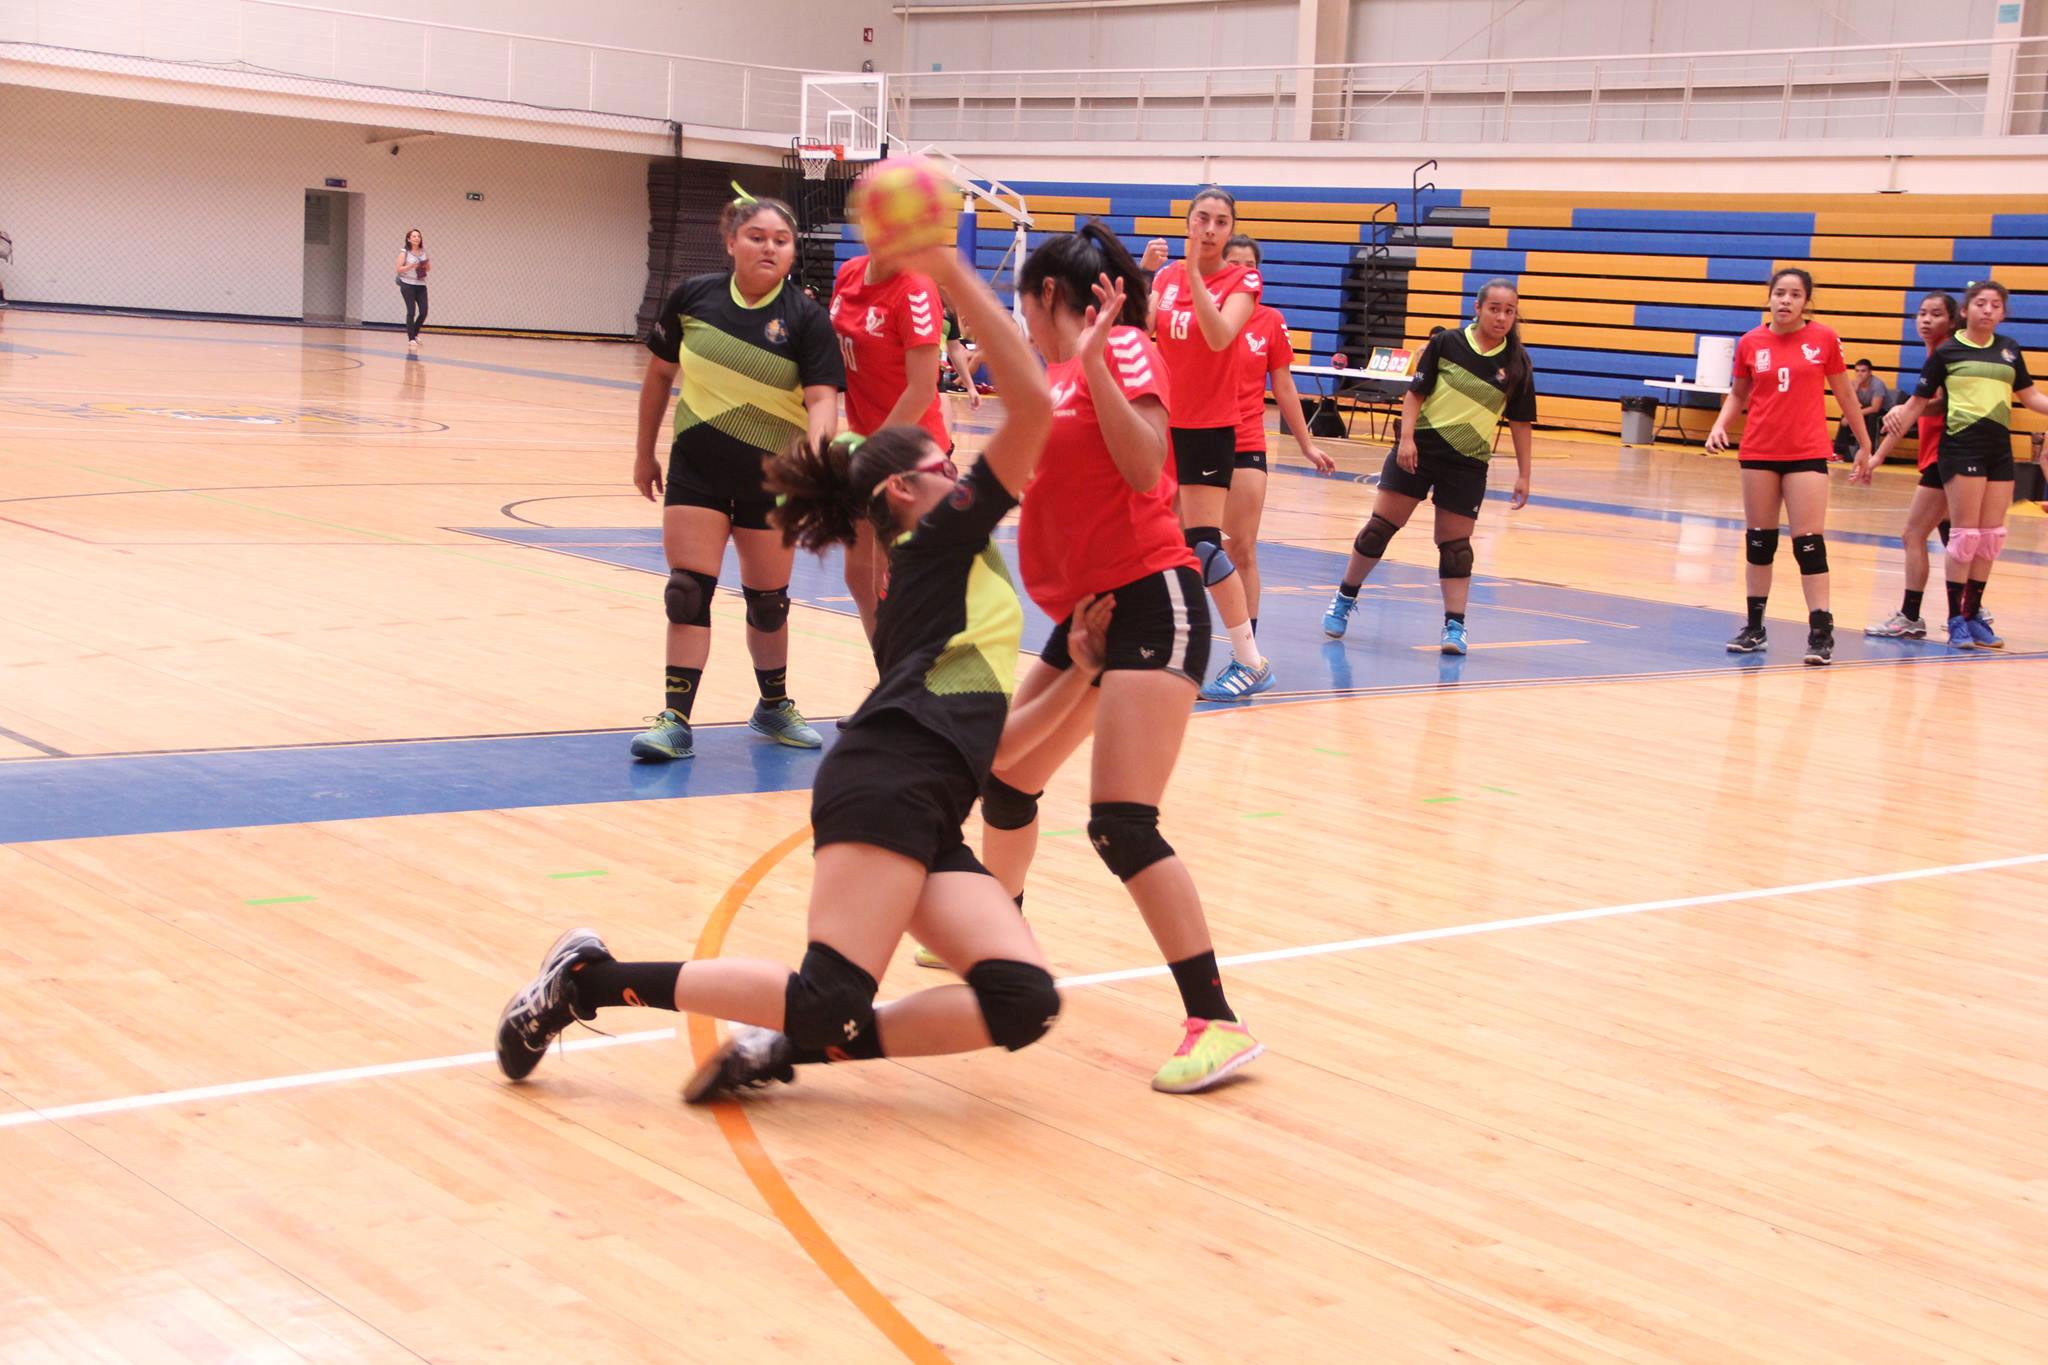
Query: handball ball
901	206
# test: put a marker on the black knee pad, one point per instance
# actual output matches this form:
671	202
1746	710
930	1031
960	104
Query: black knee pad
1761	545
830	1003
1005	807
688	597
1018	1001
767	608
1810	553
1944	529
1127	837
1454	559
1373	536
1207	543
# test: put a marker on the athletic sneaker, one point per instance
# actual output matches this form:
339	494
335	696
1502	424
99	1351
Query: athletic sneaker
545	1005
925	957
668	737
1981	634
784	724
1211	1050
1959	636
1820	645
1453	640
751	1058
1236	682
1338	618
1899	627
1748	640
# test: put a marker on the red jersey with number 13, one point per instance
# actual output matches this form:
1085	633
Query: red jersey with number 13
1084	529
1788	374
877	324
1204	381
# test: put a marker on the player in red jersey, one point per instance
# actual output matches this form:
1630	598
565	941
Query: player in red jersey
891	326
1264	351
1197	329
1098	518
1782	371
1936	323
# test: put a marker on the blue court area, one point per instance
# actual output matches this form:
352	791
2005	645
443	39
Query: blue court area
1523	634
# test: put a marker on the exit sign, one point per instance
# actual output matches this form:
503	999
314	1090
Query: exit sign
473	197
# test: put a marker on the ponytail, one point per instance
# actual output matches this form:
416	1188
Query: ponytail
1075	260
824	492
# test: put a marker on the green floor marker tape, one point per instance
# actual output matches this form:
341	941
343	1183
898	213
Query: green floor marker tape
1439	800
1334	753
1263	815
280	900
1060	833
1502	790
564	876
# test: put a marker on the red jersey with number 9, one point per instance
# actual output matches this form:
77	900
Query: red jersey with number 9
1204	381
1264	349
1084	529
877	325
1788	374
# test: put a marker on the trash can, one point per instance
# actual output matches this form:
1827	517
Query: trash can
1639	421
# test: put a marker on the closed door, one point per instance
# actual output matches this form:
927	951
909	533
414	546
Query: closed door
326	277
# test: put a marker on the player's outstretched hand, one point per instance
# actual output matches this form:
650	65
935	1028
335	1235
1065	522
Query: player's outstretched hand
1896	421
1101	318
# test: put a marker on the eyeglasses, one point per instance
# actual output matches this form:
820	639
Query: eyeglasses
942	465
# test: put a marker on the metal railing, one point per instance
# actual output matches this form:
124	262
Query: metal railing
321	43
1895	91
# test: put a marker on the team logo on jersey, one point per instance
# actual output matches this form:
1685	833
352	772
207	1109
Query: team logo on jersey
1133	365
1812	353
2008	355
777	331
1167	295
1061	395
962	496
1763	360
920	311
837	301
1252	280
874	321
1500	376
1257	345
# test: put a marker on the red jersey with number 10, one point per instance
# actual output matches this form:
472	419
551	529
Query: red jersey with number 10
1788	374
1204	381
1264	349
1084	529
877	325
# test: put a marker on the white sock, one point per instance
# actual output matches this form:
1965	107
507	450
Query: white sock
1242	646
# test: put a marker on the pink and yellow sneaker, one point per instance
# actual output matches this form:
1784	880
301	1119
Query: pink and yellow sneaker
1212	1049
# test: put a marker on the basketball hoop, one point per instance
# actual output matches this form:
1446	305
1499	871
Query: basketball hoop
817	158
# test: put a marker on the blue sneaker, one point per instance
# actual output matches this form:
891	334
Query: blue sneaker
1338	617
1981	634
784	724
1959	636
668	738
1453	641
1236	682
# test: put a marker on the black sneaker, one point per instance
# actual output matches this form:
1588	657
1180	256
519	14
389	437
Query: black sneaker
545	1005
1749	640
1820	645
752	1057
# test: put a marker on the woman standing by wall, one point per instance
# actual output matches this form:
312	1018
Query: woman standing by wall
412	285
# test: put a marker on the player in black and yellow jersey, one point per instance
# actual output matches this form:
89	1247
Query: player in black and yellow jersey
1467	382
1983	372
892	794
760	367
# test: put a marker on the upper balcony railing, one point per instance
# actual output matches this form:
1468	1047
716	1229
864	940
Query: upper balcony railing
321	43
1901	91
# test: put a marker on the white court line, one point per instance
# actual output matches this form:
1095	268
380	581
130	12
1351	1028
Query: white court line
95	1108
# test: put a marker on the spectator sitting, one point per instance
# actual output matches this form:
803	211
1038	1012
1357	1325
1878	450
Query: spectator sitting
1874	397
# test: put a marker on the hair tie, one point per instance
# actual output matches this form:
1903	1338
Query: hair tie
740	194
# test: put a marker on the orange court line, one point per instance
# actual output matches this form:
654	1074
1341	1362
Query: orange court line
760	1167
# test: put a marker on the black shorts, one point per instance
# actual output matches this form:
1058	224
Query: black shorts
1997	465
1250	459
1204	456
892	783
1786	466
1160	621
1932	477
733	488
1454	483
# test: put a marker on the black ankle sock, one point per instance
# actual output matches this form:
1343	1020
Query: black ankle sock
1955	598
774	684
1911	607
606	985
1756	612
1201	987
1255	625
1457	616
1820	620
680	689
1973	597
1349	589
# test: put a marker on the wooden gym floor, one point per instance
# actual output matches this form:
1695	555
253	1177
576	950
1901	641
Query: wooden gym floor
1625	1001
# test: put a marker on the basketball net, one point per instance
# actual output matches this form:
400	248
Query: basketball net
817	158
